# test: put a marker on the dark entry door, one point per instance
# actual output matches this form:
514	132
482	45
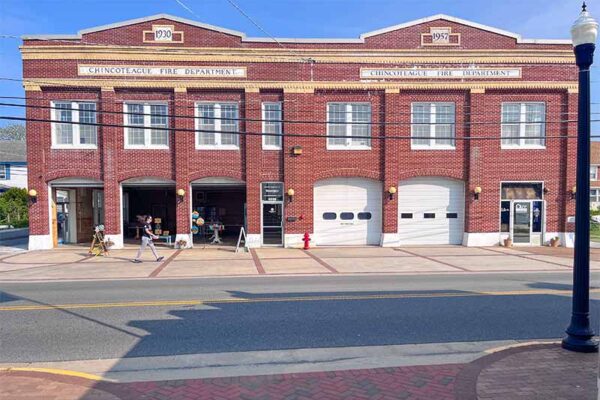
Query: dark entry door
272	224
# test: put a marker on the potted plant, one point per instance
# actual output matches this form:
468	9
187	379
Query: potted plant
508	242
181	244
555	241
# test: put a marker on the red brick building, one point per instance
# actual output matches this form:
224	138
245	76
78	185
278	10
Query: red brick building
434	131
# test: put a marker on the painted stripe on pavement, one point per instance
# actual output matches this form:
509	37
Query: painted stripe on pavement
192	302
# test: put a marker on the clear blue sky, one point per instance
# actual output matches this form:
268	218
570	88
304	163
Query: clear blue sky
281	18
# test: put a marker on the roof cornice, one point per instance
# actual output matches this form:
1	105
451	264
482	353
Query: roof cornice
244	38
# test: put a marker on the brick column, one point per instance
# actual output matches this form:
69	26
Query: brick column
253	160
391	167
298	171
475	217
113	205
182	144
38	144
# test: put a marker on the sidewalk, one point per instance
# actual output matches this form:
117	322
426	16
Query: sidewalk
542	371
72	263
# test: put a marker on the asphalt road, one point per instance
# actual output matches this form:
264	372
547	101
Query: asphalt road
55	321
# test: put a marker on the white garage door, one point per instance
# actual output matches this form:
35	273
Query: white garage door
347	211
431	211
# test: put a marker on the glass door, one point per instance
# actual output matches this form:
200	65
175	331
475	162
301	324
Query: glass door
272	224
521	222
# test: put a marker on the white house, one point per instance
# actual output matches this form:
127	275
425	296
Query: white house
13	165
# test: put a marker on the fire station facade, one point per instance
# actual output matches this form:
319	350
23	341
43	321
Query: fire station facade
435	131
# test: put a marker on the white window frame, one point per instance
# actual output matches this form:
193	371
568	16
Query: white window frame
266	146
432	124
147	125
597	195
349	145
74	123
593	175
217	109
3	172
522	123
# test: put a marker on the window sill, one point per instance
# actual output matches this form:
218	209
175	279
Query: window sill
336	148
130	147
271	148
208	147
73	147
528	147
432	147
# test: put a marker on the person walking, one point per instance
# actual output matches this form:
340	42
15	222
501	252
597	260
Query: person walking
147	237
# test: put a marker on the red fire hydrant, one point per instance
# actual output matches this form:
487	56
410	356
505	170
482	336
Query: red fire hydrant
306	239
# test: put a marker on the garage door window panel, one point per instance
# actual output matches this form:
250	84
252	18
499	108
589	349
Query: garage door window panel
70	134
349	126
433	126
216	124
523	125
146	126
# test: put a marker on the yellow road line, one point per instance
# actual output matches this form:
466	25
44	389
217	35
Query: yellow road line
55	371
192	302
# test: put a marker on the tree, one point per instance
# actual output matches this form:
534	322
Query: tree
13	208
12	132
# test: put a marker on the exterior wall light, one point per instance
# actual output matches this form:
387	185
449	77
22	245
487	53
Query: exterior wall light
180	195
32	196
290	193
573	192
546	190
476	192
297	150
392	191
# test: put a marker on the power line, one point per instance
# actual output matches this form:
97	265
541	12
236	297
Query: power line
312	122
299	135
302	110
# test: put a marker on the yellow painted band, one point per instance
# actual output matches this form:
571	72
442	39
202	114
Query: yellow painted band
55	371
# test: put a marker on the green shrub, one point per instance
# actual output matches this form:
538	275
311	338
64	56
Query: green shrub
13	208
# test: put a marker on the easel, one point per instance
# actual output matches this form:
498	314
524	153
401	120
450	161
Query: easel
242	235
98	246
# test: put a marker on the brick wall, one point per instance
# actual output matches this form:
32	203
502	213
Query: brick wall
477	162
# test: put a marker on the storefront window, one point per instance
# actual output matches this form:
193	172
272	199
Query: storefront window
521	190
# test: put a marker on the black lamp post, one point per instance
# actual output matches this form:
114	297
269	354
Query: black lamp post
580	337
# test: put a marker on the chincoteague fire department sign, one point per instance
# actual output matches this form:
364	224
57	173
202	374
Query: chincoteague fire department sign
440	73
162	71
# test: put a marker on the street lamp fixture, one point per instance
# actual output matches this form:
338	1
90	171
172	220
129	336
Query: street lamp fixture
291	193
580	336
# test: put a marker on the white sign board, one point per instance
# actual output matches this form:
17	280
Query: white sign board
440	35
440	73
163	33
162	71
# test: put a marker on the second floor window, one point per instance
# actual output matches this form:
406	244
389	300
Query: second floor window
523	125
215	123
4	171
69	133
432	125
594	173
272	124
141	120
349	126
